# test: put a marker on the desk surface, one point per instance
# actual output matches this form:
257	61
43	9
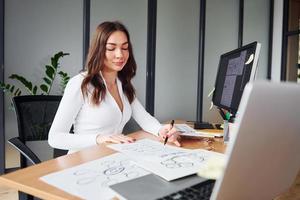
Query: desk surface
27	180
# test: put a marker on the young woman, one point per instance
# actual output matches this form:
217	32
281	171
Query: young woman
101	100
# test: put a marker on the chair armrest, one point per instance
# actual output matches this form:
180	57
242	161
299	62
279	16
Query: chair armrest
24	150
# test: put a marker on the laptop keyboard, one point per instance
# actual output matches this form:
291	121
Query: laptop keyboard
200	191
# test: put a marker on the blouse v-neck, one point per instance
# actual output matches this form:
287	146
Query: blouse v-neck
120	92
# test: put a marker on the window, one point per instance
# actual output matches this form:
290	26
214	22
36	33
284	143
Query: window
291	41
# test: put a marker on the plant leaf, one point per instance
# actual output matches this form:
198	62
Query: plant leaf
61	73
64	79
47	81
23	80
16	92
34	90
12	89
54	62
44	88
2	85
56	57
7	86
50	72
48	66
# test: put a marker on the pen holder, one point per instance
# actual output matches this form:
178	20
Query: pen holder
228	126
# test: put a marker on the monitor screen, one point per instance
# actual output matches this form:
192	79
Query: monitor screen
236	68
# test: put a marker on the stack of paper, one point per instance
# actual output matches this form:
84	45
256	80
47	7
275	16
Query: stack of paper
188	131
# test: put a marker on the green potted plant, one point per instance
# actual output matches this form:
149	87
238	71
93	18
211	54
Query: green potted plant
51	71
39	131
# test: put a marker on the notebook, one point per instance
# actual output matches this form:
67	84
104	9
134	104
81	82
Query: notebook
263	152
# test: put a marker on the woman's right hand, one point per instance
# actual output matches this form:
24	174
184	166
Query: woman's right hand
116	138
169	131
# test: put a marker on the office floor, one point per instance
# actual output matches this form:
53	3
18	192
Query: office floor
12	158
12	161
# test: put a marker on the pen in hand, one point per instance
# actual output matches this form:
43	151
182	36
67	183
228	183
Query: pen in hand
166	139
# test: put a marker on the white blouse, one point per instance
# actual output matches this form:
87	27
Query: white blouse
91	120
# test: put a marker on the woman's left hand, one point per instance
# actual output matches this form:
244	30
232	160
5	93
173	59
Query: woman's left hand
170	132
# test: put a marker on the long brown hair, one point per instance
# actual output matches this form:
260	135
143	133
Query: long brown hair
95	63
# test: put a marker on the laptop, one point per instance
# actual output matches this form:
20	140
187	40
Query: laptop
263	152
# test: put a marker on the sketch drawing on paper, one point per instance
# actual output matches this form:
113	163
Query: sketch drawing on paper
110	172
143	148
169	157
91	179
167	161
185	160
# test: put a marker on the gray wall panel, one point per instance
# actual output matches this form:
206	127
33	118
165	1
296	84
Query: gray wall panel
176	59
133	14
221	36
256	28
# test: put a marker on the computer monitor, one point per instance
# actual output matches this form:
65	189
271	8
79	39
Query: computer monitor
236	68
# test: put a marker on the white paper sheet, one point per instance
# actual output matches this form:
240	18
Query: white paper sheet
187	131
91	180
166	161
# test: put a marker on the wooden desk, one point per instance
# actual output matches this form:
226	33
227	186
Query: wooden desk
27	180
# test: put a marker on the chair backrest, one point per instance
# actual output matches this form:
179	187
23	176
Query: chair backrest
35	114
131	126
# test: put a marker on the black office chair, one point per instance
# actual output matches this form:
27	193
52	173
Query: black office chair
34	116
131	126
